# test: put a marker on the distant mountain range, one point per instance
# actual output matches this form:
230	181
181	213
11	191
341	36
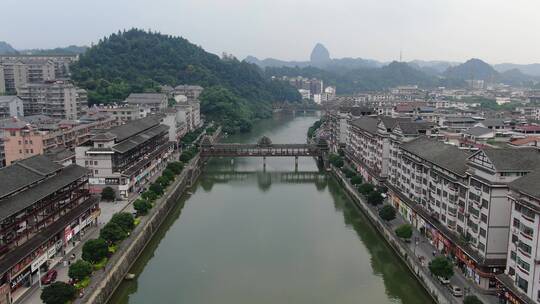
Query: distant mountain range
365	74
7	49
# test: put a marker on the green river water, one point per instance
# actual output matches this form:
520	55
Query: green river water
245	236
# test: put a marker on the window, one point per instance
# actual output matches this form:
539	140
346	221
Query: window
20	151
524	265
485	203
12	133
483	232
96	171
485	189
20	142
481	247
513	255
30	141
515	239
483	218
525	248
515	223
31	150
95	163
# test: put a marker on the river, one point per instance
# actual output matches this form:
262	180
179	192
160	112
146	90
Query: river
249	237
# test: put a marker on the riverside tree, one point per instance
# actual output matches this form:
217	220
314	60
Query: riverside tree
80	270
112	233
404	231
387	212
58	293
95	250
124	220
142	206
365	188
441	267
375	198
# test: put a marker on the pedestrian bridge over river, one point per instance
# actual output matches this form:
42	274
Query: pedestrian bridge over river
265	148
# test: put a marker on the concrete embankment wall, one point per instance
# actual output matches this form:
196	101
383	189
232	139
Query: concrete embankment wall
406	255
105	281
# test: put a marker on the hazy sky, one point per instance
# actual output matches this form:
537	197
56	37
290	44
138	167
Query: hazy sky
494	30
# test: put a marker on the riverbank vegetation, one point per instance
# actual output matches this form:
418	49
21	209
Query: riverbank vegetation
313	129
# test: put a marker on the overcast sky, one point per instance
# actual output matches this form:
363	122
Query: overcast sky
494	30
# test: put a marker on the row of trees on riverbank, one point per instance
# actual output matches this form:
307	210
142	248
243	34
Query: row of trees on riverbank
96	252
439	266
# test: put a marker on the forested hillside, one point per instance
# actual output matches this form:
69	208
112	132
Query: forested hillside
139	61
368	79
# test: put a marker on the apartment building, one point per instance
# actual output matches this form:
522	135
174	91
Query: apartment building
177	127
11	106
369	143
23	138
125	157
190	113
125	113
155	102
458	199
192	92
61	62
2	81
20	71
337	121
521	280
43	208
57	99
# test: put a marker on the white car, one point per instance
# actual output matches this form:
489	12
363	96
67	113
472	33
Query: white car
455	291
443	280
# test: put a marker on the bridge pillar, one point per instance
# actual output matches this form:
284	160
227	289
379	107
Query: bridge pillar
296	163
264	163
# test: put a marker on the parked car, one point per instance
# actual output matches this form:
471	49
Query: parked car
455	290
49	277
443	280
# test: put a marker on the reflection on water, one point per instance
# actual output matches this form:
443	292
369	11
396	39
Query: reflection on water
280	236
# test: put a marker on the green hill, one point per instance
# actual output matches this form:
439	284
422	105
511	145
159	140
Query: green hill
139	61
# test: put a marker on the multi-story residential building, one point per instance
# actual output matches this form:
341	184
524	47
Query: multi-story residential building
189	112
20	71
125	157
490	172
338	124
192	92
155	102
368	144
177	127
43	209
457	123
521	280
2	81
459	200
15	75
11	106
61	62
30	136
57	99
125	113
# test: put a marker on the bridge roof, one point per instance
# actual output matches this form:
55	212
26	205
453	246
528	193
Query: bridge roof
256	146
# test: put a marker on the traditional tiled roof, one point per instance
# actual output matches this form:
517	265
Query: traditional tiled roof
18	202
444	155
368	124
528	184
145	98
509	159
25	172
133	127
478	131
